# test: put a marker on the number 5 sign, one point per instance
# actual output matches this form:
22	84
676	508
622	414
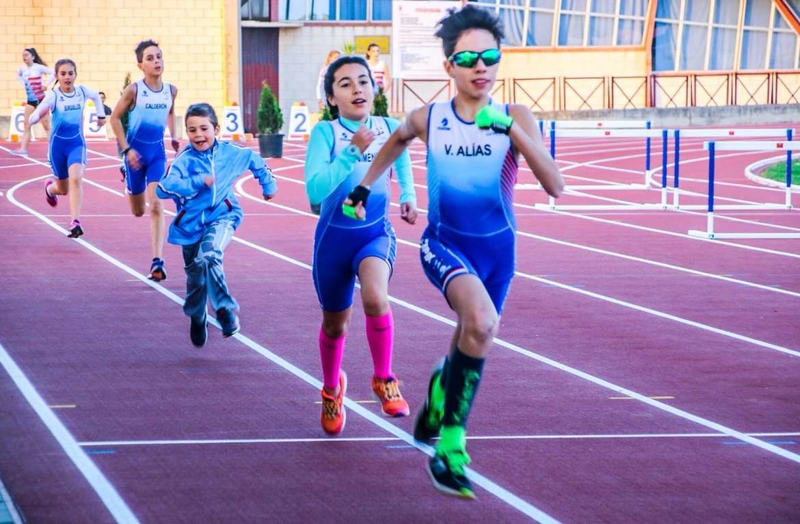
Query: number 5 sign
91	127
298	122
231	127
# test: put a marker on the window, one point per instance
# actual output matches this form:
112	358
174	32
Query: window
573	22
255	10
343	10
692	35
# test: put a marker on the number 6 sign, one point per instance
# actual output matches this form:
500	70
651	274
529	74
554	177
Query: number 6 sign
17	125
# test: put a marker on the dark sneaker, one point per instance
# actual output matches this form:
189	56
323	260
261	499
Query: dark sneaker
75	229
198	331
429	418
157	272
228	321
51	199
447	473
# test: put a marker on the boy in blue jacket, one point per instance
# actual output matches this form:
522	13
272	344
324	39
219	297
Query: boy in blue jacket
200	181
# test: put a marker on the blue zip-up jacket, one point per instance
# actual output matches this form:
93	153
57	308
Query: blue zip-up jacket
199	206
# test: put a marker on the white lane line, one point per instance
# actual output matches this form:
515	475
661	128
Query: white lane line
603	383
178	442
664	265
658	231
104	489
478	479
566	287
240	190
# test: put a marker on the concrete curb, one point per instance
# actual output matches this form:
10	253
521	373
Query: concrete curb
750	172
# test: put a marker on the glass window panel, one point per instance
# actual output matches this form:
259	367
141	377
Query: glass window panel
381	9
726	12
756	13
322	9
664	45
570	30
780	21
723	49
573	5
630	32
633	7
604	6
292	9
697	10
754	49
353	10
255	10
540	29
601	30
795	6
544	4
783	47
513	23
668	9
518	3
693	50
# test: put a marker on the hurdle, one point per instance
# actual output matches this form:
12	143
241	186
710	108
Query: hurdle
555	125
775	133
712	148
617	133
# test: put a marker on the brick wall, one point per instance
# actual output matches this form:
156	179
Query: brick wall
101	39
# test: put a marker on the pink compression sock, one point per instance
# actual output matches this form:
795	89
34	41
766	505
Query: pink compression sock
330	353
380	336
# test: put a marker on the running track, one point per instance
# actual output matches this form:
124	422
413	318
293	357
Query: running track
639	374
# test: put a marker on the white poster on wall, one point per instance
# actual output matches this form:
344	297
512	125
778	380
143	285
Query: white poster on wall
416	53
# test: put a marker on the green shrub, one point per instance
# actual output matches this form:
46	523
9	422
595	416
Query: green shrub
381	105
269	116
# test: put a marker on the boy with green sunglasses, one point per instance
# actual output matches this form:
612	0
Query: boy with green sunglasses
468	248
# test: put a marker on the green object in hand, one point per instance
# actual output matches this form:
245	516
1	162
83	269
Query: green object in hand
350	211
490	118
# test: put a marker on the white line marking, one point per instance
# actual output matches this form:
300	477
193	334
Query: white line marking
660	264
120	443
104	489
501	493
9	504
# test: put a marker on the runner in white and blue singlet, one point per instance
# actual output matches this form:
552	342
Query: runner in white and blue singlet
150	104
67	148
467	250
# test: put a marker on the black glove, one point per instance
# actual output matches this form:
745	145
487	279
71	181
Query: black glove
358	195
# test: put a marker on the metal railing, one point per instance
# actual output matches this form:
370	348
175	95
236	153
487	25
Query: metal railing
704	89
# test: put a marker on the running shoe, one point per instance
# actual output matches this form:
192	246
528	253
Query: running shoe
75	229
429	418
228	321
333	413
198	331
51	199
388	392
446	469
157	272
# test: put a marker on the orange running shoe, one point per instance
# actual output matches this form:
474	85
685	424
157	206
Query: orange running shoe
388	392
333	413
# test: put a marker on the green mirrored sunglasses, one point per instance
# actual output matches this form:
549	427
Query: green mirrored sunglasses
469	58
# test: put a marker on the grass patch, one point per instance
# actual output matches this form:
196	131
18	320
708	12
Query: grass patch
778	172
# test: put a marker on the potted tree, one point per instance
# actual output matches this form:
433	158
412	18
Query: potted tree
270	122
380	106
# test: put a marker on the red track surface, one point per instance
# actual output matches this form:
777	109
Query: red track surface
609	308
